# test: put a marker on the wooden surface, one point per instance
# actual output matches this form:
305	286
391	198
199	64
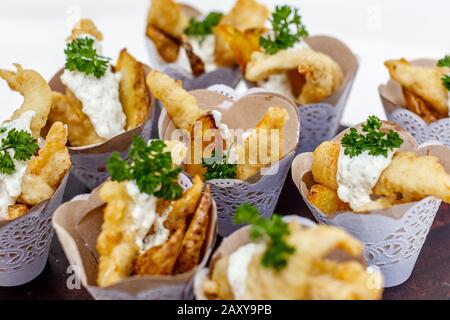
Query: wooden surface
430	278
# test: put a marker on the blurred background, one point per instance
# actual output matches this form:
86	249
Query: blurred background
32	33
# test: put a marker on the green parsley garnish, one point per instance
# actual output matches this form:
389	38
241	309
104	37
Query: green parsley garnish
273	231
150	166
375	141
82	56
22	143
445	62
287	27
204	27
217	167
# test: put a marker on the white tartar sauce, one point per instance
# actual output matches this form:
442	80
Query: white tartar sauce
238	268
203	49
11	184
357	176
99	98
145	216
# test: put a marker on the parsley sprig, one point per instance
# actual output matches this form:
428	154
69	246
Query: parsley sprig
218	167
287	27
273	231
374	140
445	62
150	166
82	56
22	143
202	28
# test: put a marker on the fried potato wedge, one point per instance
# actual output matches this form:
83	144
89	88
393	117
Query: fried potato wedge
167	47
46	171
425	83
17	210
326	199
37	95
133	91
195	236
325	163
167	16
116	243
267	148
181	106
83	27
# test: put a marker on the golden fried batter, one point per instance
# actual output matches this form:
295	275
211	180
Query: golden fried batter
326	199
167	16
17	210
425	83
85	26
167	47
325	163
421	107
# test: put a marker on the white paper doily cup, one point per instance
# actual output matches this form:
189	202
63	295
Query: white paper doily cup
25	241
393	237
244	112
391	96
78	224
229	76
321	121
88	162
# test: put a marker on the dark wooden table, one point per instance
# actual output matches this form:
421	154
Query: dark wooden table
430	278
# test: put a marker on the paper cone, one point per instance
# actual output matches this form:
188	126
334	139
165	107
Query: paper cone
78	224
88	162
392	237
25	241
229	76
245	112
391	96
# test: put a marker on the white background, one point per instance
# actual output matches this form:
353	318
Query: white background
32	33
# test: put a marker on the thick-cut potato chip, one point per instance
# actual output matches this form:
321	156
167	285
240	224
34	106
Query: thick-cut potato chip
36	93
85	27
134	95
17	210
325	163
167	47
326	199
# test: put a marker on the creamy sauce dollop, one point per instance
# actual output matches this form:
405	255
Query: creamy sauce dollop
357	176
11	184
238	264
204	49
99	98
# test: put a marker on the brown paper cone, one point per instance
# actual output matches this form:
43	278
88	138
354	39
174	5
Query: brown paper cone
78	224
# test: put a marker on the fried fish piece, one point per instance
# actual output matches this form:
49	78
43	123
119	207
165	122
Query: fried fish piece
181	106
17	210
116	243
421	107
133	91
245	15
323	76
195	236
425	83
261	144
326	200
167	47
83	27
36	93
46	170
167	16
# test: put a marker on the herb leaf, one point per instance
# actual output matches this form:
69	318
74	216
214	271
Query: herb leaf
445	62
22	143
218	168
287	27
204	27
375	141
150	166
82	56
273	230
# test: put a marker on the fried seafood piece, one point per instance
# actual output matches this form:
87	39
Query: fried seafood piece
323	76
133	90
195	236
83	27
116	243
421	107
261	144
167	16
167	47
181	106
16	210
46	170
423	82
245	15
37	95
326	199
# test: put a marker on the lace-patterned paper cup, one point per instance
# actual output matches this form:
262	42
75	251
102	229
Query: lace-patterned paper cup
78	224
25	241
244	112
393	237
320	121
88	162
229	76
394	105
